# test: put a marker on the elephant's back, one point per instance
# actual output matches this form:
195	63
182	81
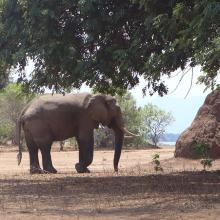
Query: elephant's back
56	104
56	117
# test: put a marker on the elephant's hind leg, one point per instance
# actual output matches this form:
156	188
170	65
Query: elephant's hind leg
33	154
46	158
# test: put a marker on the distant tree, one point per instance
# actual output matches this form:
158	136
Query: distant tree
132	118
104	137
154	122
130	111
109	44
4	74
12	101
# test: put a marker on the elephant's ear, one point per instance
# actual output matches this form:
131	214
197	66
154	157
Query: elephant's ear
98	109
114	111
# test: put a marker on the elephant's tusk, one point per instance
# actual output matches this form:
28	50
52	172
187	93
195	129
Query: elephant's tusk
128	132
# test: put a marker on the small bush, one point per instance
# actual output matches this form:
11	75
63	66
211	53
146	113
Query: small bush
206	163
201	150
4	133
156	162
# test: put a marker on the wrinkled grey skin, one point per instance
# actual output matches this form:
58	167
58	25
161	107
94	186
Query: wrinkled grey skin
55	118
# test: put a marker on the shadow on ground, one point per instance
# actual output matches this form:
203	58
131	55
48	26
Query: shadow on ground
128	195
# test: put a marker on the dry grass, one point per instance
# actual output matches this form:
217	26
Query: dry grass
182	191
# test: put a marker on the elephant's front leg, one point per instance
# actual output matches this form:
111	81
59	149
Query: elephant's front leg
86	148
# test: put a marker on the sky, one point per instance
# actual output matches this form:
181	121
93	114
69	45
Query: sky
181	107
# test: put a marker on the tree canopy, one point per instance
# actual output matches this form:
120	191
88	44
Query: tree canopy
4	74
109	44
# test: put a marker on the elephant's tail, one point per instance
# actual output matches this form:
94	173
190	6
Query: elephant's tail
20	121
18	140
18	132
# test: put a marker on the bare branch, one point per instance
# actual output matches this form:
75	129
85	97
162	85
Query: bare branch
190	84
170	77
181	78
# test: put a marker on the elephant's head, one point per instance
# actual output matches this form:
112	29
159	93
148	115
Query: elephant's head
105	110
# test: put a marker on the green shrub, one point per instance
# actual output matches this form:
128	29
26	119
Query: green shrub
12	101
201	150
5	130
156	162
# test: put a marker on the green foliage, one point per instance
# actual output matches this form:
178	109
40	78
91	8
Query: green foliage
154	122
73	142
12	101
5	130
201	150
132	119
109	44
131	114
104	138
4	74
156	162
206	163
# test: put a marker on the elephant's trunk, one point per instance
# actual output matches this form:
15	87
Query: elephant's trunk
118	126
119	137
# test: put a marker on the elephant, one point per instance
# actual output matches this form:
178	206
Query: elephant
48	118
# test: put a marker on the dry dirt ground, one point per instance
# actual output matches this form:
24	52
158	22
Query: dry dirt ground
182	191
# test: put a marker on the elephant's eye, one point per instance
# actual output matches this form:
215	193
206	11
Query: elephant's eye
111	102
114	100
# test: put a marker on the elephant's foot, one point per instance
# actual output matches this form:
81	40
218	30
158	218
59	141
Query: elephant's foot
36	170
50	170
81	169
